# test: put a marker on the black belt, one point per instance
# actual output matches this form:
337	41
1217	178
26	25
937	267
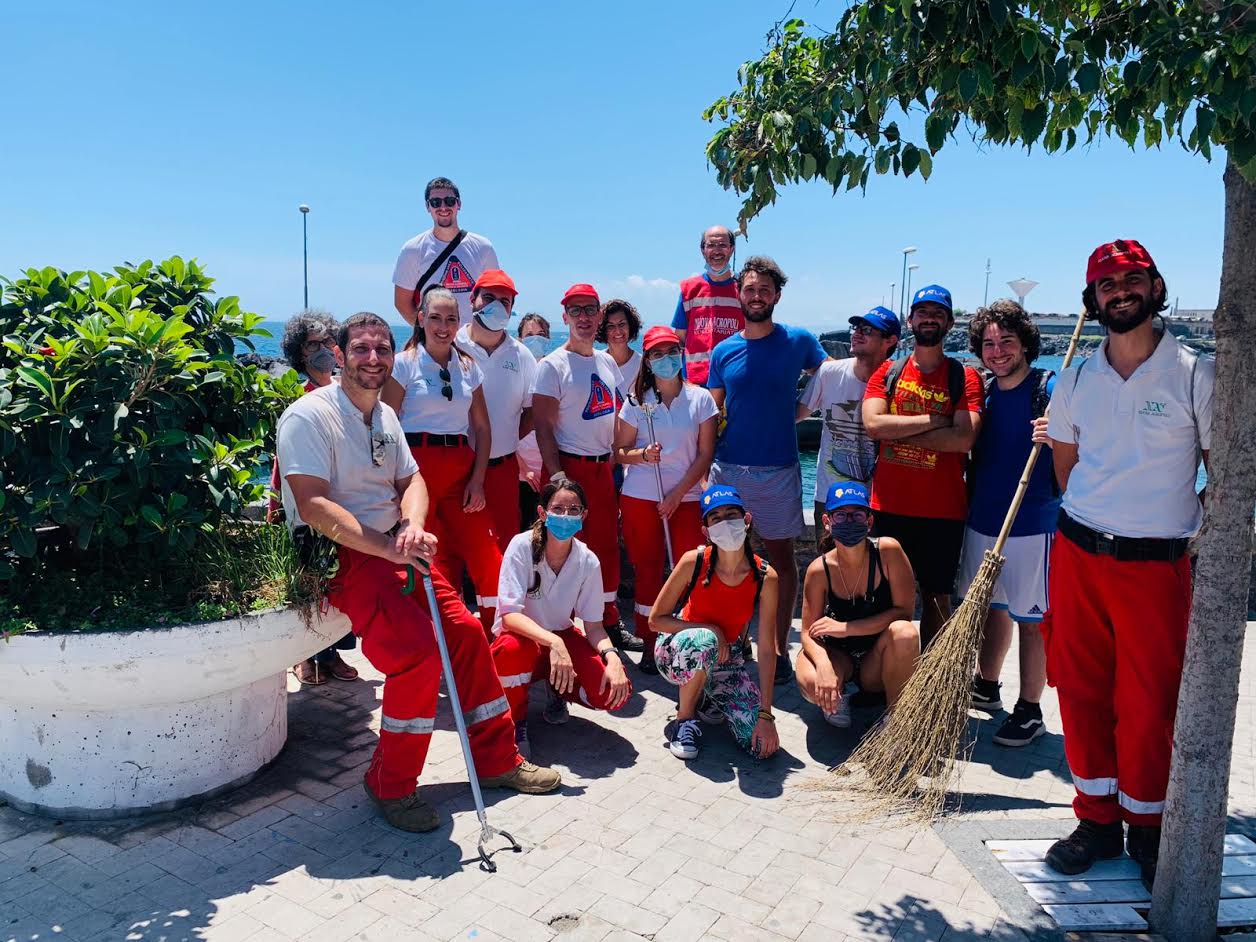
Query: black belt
598	458
443	441
1123	548
494	462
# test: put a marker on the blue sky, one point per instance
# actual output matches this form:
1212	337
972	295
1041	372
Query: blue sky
573	129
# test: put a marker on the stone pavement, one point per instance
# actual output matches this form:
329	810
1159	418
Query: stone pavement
638	845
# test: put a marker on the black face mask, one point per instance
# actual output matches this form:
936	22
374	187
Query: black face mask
850	533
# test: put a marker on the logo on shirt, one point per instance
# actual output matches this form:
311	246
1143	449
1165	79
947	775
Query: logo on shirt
456	277
1035	610
601	399
1151	407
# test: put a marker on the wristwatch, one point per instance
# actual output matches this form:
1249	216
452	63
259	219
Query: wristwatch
610	650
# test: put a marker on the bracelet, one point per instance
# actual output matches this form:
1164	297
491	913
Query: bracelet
611	650
767	715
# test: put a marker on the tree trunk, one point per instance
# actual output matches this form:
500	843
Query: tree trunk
1189	878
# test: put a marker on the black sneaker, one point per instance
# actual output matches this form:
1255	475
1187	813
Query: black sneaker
784	669
1089	842
986	695
1143	846
1022	727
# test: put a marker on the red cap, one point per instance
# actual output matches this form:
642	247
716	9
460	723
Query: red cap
577	291
496	278
658	335
1121	255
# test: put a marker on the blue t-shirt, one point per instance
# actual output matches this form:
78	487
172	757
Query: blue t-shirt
999	460
760	383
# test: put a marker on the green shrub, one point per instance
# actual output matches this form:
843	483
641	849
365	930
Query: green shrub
127	428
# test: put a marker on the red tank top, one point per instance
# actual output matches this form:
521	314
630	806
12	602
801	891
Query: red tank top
729	607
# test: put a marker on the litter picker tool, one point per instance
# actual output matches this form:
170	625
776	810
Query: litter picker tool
906	765
647	409
487	831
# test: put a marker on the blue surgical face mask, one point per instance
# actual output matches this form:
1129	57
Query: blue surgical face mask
719	274
494	315
562	527
667	367
537	344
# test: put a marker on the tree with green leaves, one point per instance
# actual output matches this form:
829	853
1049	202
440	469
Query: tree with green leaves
893	83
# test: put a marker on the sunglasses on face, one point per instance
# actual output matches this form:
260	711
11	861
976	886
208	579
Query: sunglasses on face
313	346
865	330
437	201
447	389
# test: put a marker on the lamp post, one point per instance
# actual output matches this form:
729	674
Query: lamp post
985	298
902	304
305	251
910	269
893	285
1022	286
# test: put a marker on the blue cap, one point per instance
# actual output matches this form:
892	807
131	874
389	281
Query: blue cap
720	495
935	293
883	319
846	494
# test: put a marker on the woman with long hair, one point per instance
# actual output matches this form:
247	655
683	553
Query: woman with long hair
548	579
857	603
621	325
716	588
436	389
678	455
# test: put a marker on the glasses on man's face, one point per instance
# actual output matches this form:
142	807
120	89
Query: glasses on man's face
379	449
438	201
447	389
718	245
586	310
865	330
848	516
565	511
313	346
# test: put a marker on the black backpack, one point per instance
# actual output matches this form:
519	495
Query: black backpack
954	378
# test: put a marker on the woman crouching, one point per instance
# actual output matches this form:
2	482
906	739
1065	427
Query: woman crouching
856	610
547	579
718	585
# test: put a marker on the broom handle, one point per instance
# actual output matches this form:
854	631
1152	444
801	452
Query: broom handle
1023	486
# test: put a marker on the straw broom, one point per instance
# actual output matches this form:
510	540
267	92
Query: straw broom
906	766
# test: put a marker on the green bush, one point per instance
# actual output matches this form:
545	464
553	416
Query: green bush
127	427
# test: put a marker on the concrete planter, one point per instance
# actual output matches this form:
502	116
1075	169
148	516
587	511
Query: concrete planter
109	724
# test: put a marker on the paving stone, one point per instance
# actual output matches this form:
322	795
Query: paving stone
627	916
688	925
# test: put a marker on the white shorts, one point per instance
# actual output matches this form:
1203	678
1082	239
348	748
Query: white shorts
1021	589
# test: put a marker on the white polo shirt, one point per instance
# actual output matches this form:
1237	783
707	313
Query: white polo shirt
322	434
676	429
509	372
1136	441
585	390
425	408
574	592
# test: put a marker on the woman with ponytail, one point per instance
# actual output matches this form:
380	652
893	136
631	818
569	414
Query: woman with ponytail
717	587
437	391
679	455
549	578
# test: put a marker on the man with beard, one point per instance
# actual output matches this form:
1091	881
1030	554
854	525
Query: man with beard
348	475
1128	428
443	255
709	309
926	412
754	380
1012	418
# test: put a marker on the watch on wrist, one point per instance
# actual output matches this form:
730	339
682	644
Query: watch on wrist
610	650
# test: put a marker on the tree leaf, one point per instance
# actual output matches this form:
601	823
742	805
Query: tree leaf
911	159
968	82
1087	78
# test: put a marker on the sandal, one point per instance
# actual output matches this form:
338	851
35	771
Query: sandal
340	670
309	674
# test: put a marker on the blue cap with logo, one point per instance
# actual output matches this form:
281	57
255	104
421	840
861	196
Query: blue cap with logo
935	293
883	319
720	495
846	494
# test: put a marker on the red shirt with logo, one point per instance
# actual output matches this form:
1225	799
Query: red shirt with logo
708	311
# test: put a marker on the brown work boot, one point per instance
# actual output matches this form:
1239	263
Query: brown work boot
527	778
410	813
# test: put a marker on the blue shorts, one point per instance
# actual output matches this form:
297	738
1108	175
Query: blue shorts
772	495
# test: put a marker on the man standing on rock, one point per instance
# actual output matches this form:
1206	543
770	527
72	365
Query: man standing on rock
1128	429
348	475
443	255
709	309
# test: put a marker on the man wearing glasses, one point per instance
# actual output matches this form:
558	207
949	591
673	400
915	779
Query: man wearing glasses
709	309
443	255
348	475
573	406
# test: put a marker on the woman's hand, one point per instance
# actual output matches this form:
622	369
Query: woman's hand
828	688
670	504
562	673
1039	436
615	678
652	453
473	496
764	741
825	627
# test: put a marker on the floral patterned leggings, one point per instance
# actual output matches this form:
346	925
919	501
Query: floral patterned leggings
729	685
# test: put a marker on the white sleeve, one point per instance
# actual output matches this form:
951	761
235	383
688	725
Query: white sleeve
527	369
630	414
303	445
589	605
813	395
406	463
475	376
706	409
548	382
403	369
1060	415
1205	381
406	272
488	259
514	577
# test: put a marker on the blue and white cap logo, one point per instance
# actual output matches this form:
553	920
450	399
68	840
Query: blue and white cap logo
883	319
846	494
720	495
935	293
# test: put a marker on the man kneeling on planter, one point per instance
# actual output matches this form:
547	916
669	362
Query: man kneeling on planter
348	474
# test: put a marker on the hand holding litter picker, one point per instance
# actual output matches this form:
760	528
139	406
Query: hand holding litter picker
927	731
648	409
487	831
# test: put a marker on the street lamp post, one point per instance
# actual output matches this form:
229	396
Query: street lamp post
305	251
985	298
910	269
902	304
1022	286
893	285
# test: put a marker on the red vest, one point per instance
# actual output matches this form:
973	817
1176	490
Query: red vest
713	313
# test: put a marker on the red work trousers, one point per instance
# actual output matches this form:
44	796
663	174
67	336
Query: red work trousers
521	660
1116	638
501	490
643	538
398	639
600	532
465	540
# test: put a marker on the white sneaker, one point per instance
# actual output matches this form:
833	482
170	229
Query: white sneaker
683	736
556	712
841	716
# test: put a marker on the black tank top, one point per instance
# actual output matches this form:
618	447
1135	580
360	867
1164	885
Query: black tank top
875	600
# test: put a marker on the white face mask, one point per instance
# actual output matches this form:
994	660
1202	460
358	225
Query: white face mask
728	535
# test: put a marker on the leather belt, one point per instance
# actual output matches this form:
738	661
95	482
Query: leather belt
494	462
597	458
1123	548
419	439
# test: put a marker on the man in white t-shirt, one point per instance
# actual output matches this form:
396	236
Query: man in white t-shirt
348	475
837	390
509	371
573	406
417	266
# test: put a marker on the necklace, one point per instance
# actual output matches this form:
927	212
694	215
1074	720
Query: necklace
845	585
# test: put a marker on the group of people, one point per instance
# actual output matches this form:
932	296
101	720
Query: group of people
491	458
